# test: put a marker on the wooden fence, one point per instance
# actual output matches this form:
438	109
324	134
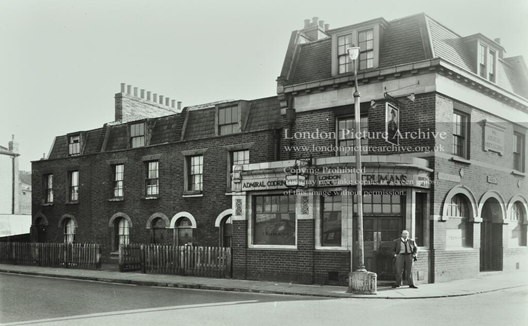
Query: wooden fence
71	255
178	260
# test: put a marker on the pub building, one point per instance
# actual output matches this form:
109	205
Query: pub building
444	119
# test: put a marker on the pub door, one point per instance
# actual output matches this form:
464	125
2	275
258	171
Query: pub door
379	233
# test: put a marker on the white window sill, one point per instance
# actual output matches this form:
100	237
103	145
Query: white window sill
116	199
46	204
192	196
518	173
459	159
327	248
279	247
72	203
151	198
460	249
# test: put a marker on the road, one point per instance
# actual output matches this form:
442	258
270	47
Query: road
35	300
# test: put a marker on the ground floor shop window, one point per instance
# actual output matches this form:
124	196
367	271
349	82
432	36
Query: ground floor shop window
458	229
331	220
518	226
274	220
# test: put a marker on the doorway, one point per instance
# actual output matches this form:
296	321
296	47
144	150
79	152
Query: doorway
491	236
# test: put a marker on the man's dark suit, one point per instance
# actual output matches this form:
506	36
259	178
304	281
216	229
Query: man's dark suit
404	260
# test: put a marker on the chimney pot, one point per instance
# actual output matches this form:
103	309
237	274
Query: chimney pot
321	23
135	91
167	100
306	23
327	27
123	87
179	105
148	95
173	102
161	99
497	40
129	89
155	97
142	93
315	20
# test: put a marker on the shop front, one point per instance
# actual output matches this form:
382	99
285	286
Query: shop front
300	218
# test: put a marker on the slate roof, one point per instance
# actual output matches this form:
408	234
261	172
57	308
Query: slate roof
405	40
263	114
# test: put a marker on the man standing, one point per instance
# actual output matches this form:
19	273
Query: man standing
404	251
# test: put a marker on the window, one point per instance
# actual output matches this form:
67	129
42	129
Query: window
366	46
482	60
344	62
517	225
331	220
74	186
183	232
518	151
152	180
491	65
274	220
48	188
376	203
460	139
157	229
74	146
346	140
137	135
69	230
228	120
226	232
119	172
236	158
195	173
458	230
122	233
421	221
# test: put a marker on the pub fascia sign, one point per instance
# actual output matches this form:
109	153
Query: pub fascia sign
493	137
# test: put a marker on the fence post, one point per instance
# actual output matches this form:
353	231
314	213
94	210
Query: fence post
142	259
121	258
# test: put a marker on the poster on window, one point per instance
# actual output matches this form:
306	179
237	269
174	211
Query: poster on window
392	123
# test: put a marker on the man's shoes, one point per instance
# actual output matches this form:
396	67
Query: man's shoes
395	286
413	286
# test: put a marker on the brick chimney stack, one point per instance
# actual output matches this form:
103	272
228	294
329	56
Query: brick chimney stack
315	29
13	145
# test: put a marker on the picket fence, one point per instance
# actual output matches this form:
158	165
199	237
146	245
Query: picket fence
71	255
178	260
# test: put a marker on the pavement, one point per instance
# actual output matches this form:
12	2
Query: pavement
484	282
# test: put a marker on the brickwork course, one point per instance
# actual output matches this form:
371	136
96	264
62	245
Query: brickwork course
468	213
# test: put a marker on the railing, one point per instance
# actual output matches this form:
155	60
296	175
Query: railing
71	255
178	260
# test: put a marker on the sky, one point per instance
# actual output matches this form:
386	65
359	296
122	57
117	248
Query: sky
61	62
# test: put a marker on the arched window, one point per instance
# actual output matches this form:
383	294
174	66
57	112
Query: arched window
458	229
517	225
68	228
183	231
158	233
122	232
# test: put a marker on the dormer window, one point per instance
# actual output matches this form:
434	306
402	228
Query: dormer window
487	59
228	120
74	145
366	45
137	135
343	43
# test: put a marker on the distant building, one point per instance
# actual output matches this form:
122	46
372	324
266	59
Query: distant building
24	199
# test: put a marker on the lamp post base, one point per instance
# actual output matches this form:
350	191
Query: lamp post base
362	282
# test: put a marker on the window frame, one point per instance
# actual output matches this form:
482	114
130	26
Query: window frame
141	137
189	187
178	227
231	163
519	145
363	142
464	135
483	60
371	50
118	184
68	231
233	123
119	236
321	243
48	188
491	69
73	186
74	145
347	63
152	181
252	221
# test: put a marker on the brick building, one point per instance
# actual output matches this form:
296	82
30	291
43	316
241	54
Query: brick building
153	175
444	121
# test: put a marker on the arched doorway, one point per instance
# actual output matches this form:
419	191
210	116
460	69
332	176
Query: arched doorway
491	247
226	231
41	230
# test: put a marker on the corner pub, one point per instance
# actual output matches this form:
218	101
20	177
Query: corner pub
463	197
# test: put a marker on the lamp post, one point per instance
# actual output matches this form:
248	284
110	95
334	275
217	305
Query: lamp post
360	281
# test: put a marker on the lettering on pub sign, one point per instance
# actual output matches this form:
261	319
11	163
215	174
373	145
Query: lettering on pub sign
493	138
